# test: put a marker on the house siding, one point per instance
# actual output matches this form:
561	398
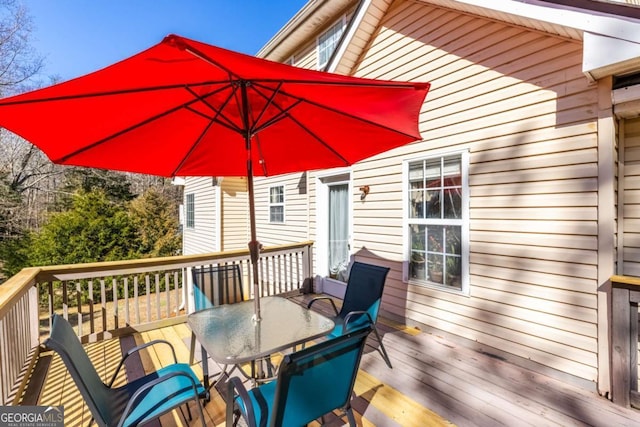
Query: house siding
631	198
203	237
296	206
518	101
235	205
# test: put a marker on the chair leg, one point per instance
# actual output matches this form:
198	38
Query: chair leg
192	348
350	417
383	351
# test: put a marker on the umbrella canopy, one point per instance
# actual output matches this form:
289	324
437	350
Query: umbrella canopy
186	108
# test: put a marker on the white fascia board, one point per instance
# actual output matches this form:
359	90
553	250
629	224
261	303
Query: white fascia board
614	26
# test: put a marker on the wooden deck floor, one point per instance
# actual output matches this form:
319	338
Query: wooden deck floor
434	382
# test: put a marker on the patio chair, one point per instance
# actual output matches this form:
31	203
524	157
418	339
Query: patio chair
311	383
362	297
134	403
212	286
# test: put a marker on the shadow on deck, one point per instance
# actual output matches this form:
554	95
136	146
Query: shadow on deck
434	382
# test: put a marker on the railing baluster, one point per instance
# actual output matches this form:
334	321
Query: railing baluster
65	301
114	286
92	327
136	302
125	296
147	283
79	302
103	302
158	296
167	289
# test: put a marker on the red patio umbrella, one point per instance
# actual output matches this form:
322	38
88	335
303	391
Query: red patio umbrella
186	108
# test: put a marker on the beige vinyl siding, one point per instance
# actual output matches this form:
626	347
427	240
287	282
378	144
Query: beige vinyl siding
631	198
235	220
203	238
631	205
296	210
518	101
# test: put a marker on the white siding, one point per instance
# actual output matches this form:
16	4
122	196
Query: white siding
519	102
203	237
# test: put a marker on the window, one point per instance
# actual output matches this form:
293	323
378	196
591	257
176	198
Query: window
191	217
437	221
328	41
276	203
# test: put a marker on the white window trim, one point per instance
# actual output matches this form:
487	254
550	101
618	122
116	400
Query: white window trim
283	204
406	249
343	21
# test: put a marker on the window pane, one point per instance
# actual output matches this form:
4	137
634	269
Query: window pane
416	204
417	265
327	43
432	170
453	203
433	204
276	194
276	214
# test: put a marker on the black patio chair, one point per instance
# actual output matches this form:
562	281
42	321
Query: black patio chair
136	402
311	383
213	286
362	299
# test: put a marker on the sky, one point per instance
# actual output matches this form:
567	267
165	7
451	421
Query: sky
76	37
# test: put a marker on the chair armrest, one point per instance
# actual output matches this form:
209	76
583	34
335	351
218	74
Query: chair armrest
321	298
131	404
351	314
236	383
137	349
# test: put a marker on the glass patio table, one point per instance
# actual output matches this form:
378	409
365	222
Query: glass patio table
231	336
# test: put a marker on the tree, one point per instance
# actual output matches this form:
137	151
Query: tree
18	60
156	218
94	229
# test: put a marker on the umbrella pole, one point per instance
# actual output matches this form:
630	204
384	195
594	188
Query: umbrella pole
254	245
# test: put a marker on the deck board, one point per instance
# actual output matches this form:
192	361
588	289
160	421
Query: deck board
434	382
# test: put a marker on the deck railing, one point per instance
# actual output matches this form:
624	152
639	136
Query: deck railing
104	300
624	340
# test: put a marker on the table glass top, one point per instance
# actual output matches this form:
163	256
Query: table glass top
231	336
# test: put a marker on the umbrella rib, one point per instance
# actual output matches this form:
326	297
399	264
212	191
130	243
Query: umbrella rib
109	93
217	112
192	149
269	102
316	104
123	131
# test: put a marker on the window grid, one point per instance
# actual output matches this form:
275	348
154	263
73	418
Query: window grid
328	41
436	221
191	218
276	204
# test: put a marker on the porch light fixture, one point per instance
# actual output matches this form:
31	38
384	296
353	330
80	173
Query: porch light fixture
364	190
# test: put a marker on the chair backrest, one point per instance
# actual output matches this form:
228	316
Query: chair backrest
364	289
315	381
99	398
217	285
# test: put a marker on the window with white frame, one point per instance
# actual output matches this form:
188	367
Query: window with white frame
190	214
328	41
276	203
437	221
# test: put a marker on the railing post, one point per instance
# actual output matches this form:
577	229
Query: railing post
307	270
621	346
